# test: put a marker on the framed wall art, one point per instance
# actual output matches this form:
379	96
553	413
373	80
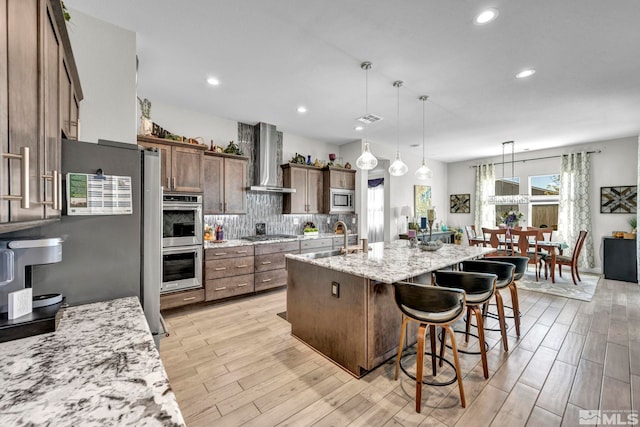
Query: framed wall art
623	199
460	203
421	199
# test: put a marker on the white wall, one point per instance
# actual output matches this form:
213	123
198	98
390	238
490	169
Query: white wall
617	164
292	144
106	58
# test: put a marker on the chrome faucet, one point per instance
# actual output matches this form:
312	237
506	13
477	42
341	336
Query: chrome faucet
345	249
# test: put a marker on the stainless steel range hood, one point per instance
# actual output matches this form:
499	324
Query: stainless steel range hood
266	162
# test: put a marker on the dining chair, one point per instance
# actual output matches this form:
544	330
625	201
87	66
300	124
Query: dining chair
572	261
527	246
429	307
471	232
497	238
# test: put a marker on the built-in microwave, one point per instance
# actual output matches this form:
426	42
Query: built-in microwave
181	268
342	200
181	219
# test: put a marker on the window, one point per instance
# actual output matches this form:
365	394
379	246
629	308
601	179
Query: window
506	187
543	207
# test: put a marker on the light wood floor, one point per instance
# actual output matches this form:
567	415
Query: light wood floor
237	364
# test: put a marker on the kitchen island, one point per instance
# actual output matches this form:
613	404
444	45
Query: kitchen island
100	367
343	305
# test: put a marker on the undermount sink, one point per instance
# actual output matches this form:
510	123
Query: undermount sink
324	254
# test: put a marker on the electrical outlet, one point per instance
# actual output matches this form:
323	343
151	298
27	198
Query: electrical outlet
353	220
335	289
295	221
328	220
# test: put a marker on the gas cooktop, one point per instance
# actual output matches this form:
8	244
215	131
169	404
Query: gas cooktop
264	237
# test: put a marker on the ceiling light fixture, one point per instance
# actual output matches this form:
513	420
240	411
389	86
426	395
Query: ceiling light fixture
366	161
302	109
398	168
525	73
508	199
486	16
358	128
213	81
423	172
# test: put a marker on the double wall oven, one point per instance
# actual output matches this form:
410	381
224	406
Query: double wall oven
181	242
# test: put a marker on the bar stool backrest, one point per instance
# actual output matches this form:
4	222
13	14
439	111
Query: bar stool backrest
471	283
520	263
426	298
504	270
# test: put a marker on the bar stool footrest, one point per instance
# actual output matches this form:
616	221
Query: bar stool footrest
486	344
432	383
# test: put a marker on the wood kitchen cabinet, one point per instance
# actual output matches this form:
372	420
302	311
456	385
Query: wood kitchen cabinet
344	179
270	264
38	70
225	183
228	272
308	182
181	168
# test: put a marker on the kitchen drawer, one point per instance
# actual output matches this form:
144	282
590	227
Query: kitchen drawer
269	262
178	299
217	268
230	252
338	241
314	250
270	279
315	244
228	287
270	248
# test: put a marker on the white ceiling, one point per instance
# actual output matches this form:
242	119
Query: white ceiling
272	56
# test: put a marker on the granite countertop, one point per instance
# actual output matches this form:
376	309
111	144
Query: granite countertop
395	261
100	367
212	244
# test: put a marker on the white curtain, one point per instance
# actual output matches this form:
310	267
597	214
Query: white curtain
485	214
375	212
638	216
574	213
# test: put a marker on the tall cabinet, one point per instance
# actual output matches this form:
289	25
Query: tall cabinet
39	105
307	180
225	183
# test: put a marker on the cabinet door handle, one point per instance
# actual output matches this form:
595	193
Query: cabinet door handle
221	268
266	262
56	203
242	266
174	182
266	280
54	197
168	184
242	284
188	299
225	206
24	177
221	289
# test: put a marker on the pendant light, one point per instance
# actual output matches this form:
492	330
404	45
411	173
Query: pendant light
508	199
398	168
366	161
423	172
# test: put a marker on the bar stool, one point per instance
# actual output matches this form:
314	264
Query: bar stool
504	271
479	288
429	306
520	263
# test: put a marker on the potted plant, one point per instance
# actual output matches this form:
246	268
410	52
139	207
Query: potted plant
458	236
633	222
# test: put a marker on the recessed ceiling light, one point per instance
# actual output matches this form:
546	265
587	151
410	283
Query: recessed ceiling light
486	16
302	109
525	73
358	128
213	81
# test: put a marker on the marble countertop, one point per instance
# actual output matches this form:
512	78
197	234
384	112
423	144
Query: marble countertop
395	261
100	367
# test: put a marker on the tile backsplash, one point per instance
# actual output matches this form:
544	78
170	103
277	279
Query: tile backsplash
267	208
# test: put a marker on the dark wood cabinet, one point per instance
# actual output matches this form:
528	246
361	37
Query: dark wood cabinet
181	168
308	182
270	264
40	77
225	184
620	259
228	272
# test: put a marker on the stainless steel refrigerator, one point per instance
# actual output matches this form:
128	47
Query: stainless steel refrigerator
109	256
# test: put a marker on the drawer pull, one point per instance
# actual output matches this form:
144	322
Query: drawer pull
266	262
220	268
266	280
241	252
242	284
220	253
188	299
221	289
242	266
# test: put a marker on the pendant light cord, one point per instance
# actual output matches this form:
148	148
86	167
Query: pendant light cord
423	102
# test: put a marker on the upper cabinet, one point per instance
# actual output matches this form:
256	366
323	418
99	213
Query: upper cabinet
181	170
225	184
344	179
307	180
39	104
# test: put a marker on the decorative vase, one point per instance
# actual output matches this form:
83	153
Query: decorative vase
146	126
